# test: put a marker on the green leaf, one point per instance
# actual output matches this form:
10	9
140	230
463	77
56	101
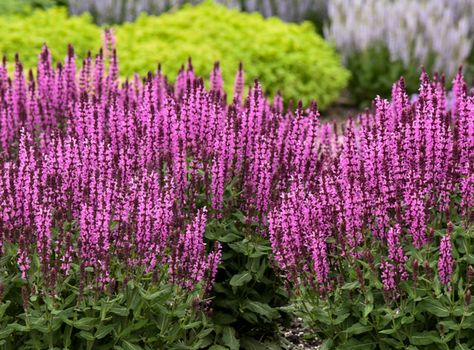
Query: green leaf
368	309
130	346
448	324
408	319
239	247
229	339
358	328
85	323
327	344
192	325
351	285
86	335
223	318
425	338
341	318
262	309
249	343
230	237
434	306
119	310
218	347
102	330
4	333
240	279
393	343
4	307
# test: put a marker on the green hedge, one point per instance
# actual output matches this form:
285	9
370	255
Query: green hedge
289	57
286	57
27	34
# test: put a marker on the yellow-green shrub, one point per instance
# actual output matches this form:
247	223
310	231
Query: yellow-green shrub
27	34
287	57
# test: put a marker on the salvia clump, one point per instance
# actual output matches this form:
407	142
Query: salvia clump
399	187
100	175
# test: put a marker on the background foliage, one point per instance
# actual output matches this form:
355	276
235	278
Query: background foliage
26	35
287	57
282	56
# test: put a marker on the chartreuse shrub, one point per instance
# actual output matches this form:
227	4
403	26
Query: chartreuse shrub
9	7
378	250
26	35
287	57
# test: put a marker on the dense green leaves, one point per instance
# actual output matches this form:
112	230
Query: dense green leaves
138	315
26	35
423	315
287	57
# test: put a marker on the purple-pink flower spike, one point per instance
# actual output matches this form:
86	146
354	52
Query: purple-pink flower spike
131	162
445	261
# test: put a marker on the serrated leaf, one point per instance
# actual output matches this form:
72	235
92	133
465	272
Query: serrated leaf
408	319
130	346
393	343
425	338
230	237
358	328
4	307
249	343
262	309
223	318
448	324
4	333
351	285
229	339
341	318
434	307
86	335
217	347
119	310
368	309
85	323
102	330
240	279
327	344
192	325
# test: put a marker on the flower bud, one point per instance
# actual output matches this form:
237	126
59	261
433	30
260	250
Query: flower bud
470	274
467	298
414	265
2	290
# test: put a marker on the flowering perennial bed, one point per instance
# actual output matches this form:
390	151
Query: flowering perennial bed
112	193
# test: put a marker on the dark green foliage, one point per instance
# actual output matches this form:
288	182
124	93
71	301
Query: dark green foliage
130	316
373	73
424	315
247	292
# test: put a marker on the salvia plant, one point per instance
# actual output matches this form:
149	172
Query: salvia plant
377	248
120	199
141	214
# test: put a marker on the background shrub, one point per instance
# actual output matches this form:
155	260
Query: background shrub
381	40
282	56
8	7
27	34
